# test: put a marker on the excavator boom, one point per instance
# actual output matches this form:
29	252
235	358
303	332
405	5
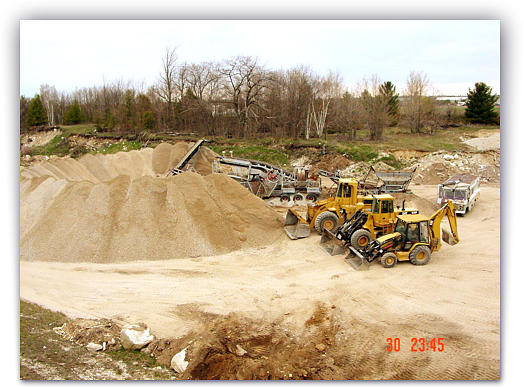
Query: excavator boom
447	210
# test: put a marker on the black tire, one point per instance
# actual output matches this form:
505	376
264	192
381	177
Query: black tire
298	197
420	255
328	220
388	260
284	198
360	239
311	197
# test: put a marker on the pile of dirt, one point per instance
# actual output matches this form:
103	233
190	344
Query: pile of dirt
121	207
84	331
329	347
437	167
332	162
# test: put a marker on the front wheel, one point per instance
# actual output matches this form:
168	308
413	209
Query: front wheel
326	220
360	239
388	260
420	255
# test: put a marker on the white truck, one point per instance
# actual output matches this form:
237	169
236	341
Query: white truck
462	189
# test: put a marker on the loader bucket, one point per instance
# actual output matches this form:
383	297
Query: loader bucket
448	238
356	260
331	244
295	226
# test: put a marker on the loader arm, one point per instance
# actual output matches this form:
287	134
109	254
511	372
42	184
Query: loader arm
447	210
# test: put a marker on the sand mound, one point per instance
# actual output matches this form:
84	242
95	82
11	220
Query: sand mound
425	206
114	208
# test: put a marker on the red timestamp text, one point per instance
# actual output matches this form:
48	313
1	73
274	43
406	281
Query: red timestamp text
418	344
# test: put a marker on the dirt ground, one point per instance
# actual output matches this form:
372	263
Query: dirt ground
265	307
455	297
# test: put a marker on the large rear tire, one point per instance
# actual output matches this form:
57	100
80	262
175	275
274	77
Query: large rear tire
360	239
420	255
327	220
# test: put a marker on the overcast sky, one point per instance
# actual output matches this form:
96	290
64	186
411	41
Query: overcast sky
76	54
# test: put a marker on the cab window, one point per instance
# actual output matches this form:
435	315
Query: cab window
344	190
375	208
424	232
387	206
412	234
400	227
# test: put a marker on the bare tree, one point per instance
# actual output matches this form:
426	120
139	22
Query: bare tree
348	114
49	97
416	89
167	84
324	90
245	81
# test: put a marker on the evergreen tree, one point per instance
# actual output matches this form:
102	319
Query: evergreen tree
24	104
388	91
73	114
149	120
480	105
36	113
129	109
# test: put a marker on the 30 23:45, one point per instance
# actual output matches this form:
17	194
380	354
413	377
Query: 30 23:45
419	344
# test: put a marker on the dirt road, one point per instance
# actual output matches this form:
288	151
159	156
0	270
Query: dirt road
455	297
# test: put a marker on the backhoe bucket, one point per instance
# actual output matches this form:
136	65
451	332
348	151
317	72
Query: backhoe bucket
295	226
331	244
356	259
448	238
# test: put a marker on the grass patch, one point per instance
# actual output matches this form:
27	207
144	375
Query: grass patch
357	152
47	356
58	146
79	129
123	146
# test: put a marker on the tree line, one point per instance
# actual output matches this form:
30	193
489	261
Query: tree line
239	97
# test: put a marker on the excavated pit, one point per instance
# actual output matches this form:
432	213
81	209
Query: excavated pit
122	207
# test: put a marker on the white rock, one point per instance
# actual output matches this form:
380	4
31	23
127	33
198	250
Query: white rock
93	347
135	336
239	351
178	362
447	157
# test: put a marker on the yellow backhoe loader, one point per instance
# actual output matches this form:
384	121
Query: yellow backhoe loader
328	213
414	239
365	225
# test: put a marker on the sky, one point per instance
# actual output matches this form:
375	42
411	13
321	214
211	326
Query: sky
72	54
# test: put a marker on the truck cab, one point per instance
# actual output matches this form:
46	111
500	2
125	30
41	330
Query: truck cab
462	189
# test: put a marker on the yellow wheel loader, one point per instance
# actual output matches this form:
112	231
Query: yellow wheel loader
365	225
328	213
414	239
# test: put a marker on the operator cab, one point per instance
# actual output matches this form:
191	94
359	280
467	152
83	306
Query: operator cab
413	229
382	204
345	188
